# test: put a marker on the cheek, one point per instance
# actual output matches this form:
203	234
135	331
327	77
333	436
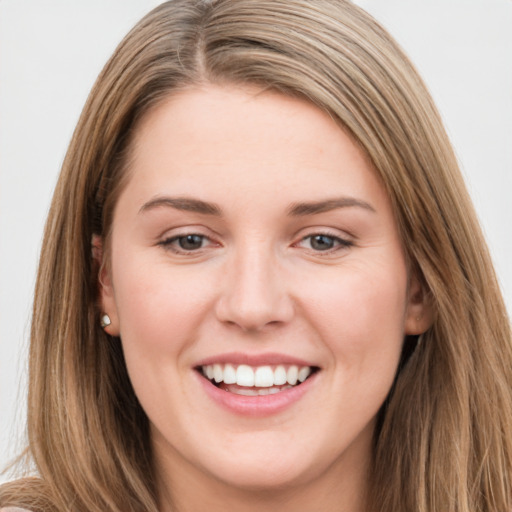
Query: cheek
160	312
360	316
159	307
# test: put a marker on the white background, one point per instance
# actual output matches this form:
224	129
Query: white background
52	51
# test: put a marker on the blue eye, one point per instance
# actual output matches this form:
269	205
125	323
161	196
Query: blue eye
324	243
190	242
185	243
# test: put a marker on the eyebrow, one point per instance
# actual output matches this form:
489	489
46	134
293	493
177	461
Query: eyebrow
295	210
184	204
313	208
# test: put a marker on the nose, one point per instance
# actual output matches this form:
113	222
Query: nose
254	295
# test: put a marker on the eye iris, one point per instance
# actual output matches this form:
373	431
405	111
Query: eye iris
322	242
190	242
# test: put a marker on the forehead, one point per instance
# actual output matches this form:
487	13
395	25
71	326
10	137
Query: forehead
242	142
243	114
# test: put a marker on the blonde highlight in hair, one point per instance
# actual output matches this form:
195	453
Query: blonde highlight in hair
443	442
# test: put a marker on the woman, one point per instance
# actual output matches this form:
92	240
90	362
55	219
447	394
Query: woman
270	288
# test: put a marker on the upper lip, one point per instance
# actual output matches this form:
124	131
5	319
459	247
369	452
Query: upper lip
264	359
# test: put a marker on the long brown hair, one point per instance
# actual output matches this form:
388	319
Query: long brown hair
443	441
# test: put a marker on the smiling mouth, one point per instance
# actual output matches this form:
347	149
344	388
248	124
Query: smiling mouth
256	380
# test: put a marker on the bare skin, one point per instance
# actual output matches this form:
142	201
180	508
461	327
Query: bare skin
253	228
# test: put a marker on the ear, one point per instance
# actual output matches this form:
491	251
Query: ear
106	296
420	312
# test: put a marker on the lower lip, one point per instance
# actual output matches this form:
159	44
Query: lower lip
261	405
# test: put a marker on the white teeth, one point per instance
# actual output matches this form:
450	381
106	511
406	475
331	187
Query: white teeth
292	375
258	392
304	373
245	376
280	376
264	377
218	374
247	392
229	374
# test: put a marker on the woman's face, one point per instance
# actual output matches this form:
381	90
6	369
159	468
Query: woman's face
252	242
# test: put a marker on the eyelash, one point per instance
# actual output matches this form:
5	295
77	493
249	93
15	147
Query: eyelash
337	242
171	243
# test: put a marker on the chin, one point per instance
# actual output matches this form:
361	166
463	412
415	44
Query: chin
269	462
266	475
251	461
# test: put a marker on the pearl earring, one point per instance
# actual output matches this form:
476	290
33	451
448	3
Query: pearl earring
105	321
